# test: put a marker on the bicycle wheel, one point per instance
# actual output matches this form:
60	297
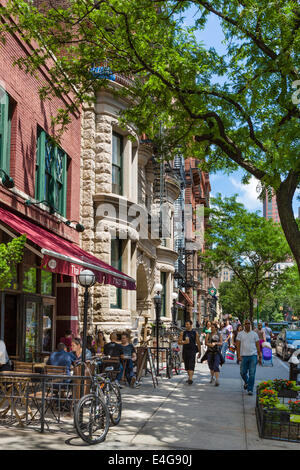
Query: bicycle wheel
91	419
114	402
177	364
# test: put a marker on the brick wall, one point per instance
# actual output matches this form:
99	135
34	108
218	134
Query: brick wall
29	112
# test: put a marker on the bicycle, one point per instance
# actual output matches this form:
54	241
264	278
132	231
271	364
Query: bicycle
97	409
174	362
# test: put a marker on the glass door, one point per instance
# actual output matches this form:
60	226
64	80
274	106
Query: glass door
32	308
47	324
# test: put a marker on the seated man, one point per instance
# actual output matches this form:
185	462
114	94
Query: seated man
114	350
61	358
128	356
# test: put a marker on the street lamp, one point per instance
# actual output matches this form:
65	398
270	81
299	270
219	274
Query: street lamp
157	303
7	180
174	308
86	279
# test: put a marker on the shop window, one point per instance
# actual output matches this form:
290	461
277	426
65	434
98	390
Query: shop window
31	330
51	173
30	279
117	164
47	325
46	283
5	130
116	262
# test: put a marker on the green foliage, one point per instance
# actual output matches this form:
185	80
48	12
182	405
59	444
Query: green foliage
247	244
10	255
237	110
233	299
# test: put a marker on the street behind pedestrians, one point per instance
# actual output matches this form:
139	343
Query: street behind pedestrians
175	416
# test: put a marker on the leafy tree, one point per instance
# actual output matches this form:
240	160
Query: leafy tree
237	110
283	295
10	255
245	243
233	299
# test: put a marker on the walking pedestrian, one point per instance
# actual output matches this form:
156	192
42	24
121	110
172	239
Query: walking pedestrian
191	345
261	334
226	336
234	336
248	350
214	343
268	332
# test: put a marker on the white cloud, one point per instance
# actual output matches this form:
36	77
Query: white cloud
248	194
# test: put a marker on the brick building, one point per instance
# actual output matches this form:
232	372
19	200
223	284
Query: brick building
40	196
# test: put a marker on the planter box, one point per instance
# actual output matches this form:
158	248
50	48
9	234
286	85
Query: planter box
288	393
276	424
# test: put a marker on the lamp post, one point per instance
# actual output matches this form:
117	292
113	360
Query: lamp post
174	308
86	279
157	303
7	180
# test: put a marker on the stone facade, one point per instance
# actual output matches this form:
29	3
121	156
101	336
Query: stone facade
107	216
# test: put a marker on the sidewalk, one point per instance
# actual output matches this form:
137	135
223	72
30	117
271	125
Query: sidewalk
174	416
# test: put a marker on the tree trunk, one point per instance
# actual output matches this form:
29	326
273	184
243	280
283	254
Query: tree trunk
251	308
284	197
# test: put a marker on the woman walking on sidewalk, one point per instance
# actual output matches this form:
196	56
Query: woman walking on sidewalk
214	343
191	345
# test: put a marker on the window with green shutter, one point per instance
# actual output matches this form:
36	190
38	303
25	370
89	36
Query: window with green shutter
117	164
5	130
51	173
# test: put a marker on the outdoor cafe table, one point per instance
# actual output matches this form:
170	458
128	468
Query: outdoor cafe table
13	386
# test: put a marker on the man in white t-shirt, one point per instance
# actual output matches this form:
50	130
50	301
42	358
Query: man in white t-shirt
247	343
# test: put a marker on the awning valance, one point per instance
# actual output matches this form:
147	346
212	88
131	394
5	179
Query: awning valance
64	257
186	297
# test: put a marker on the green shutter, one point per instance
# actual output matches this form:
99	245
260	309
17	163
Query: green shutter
4	132
40	166
42	192
64	188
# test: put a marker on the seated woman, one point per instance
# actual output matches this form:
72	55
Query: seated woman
4	359
76	352
128	357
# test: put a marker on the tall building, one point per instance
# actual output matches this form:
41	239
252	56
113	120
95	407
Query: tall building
270	210
40	303
127	206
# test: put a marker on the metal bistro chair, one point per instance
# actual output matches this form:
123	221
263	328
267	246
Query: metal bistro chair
54	392
23	367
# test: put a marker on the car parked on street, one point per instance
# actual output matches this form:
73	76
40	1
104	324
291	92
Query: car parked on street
276	328
287	342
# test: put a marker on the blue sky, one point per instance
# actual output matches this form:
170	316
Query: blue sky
221	183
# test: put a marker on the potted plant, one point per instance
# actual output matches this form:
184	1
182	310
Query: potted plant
286	388
294	407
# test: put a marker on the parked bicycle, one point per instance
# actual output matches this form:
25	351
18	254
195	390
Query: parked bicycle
102	406
174	361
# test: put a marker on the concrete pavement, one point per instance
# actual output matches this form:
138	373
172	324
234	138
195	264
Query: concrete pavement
174	416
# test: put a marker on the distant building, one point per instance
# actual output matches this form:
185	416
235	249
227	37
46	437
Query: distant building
270	209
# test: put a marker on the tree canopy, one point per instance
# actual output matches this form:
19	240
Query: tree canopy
247	244
239	109
10	255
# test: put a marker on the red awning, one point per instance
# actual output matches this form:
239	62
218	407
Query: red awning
186	297
64	257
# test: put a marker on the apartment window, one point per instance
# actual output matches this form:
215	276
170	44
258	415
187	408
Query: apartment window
51	173
116	262
5	130
117	163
